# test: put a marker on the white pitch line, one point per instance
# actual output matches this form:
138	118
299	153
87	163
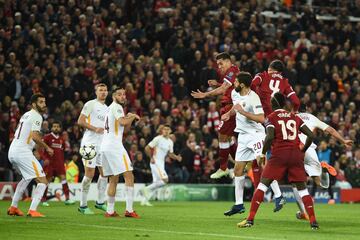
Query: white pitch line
159	231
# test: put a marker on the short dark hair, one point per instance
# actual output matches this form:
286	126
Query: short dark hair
121	87
223	56
166	125
34	98
277	65
56	122
245	78
278	101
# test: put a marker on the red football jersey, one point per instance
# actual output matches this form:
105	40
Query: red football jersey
266	85
287	128
58	145
229	77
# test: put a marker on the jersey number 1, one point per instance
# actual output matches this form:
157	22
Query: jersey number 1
274	86
291	126
20	127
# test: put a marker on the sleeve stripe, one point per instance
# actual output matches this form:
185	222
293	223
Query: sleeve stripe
270	125
290	94
225	80
302	124
257	76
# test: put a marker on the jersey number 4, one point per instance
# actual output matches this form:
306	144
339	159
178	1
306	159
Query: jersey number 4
291	126
274	86
107	125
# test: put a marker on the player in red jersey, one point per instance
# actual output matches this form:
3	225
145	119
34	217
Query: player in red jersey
269	82
287	159
54	165
266	84
228	73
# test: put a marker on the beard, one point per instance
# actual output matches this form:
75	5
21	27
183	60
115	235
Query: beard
238	89
39	109
123	103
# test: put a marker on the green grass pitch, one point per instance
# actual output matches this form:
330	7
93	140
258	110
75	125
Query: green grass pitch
180	220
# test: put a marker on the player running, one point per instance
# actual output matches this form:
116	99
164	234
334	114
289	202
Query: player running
228	73
286	158
251	135
23	160
92	118
313	167
115	159
54	165
157	150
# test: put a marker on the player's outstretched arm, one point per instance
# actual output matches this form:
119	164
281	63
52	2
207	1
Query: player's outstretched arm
337	135
226	116
82	122
310	136
215	92
38	140
270	135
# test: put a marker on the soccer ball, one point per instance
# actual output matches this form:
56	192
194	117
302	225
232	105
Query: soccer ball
87	152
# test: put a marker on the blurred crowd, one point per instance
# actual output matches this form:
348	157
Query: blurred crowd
162	50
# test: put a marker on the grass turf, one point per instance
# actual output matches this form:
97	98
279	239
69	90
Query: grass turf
180	220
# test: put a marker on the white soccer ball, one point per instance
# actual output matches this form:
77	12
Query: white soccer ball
87	152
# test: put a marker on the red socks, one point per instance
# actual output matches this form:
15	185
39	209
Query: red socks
66	191
256	169
255	203
224	156
309	206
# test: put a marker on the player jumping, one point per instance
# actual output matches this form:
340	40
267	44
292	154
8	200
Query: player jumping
228	73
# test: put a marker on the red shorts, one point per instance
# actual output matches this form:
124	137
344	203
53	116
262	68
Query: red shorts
227	127
52	170
284	163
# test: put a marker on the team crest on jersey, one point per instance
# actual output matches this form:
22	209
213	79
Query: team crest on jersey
37	123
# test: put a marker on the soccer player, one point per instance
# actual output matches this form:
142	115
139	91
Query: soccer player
251	134
92	118
286	158
266	84
157	150
115	159
228	73
54	165
318	171
21	156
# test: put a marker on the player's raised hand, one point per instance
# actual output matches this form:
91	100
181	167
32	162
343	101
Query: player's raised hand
225	117
213	83
152	160
348	142
179	158
198	94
